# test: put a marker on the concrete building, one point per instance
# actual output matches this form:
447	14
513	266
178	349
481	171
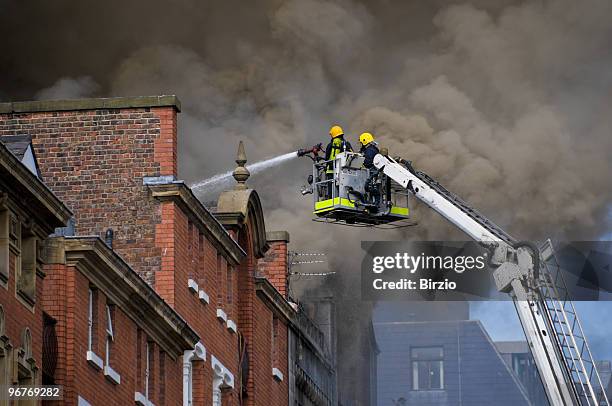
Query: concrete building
429	357
518	358
151	298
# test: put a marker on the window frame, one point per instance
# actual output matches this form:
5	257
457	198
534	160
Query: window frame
27	264
90	319
220	282
416	362
147	370
5	246
110	334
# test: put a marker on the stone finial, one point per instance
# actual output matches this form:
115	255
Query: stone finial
241	173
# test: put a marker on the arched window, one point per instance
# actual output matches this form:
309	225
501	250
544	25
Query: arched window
26	365
26	343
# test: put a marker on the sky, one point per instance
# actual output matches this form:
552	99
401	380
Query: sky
501	322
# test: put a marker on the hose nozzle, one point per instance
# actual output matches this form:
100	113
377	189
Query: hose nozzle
314	150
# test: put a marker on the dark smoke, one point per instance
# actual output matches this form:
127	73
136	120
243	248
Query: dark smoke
507	103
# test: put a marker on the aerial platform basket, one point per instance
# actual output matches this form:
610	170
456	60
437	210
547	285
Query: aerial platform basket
346	192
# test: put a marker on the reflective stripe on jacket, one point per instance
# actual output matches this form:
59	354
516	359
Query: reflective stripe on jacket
337	145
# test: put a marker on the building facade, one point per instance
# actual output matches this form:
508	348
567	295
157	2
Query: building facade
152	298
431	354
443	363
115	340
29	212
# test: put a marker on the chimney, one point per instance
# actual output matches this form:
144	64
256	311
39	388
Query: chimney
274	265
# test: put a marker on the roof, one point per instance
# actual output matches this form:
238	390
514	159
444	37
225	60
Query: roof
42	202
91	104
512	347
21	147
17	144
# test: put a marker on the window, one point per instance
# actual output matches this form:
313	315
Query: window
229	284
274	340
220	277
92	327
14	231
162	378
427	368
4	245
26	282
26	344
26	366
202	268
109	372
91	319
145	364
110	336
275	356
147	368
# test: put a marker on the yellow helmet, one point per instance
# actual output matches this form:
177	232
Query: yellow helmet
366	138
336	131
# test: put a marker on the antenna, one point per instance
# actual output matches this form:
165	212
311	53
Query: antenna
304	258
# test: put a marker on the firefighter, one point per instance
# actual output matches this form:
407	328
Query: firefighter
336	145
369	149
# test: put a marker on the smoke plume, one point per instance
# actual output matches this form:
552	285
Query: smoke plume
506	103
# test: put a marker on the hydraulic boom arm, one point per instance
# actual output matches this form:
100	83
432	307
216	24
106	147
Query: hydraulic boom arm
565	377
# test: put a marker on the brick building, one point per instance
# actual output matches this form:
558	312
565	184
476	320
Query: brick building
116	340
28	214
151	298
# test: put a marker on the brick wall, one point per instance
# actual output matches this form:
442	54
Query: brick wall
94	160
194	257
256	323
66	298
274	265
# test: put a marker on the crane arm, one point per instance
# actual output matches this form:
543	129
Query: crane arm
516	273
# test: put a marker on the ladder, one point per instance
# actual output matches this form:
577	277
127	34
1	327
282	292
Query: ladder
569	335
